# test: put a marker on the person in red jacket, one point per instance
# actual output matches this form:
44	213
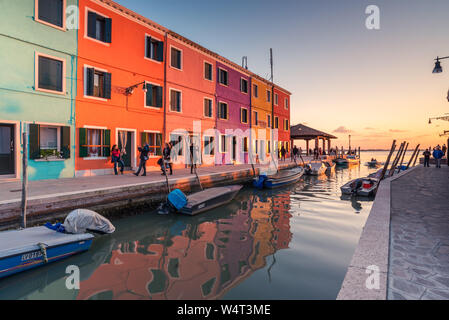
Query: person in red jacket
116	157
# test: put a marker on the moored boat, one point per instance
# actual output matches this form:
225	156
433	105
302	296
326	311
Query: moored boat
279	179
315	169
368	188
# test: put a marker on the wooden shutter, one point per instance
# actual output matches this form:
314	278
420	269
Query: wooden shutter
160	51
92	25
82	137
106	143
34	141
147	46
108	30
90	81
107	85
178	101
65	142
149	95
160	93
159	144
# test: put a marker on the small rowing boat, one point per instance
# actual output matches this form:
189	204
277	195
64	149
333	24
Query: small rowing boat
199	202
279	179
315	169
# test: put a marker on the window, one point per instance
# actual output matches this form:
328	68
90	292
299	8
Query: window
223	77
154	141
207	71
175	101
177	143
51	11
256	90
154	49
208	108
176	57
99	27
209	149
98	83
286	103
256	146
256	118
94	143
49	142
243	115
223	144
269	120
286	127
50	74
244	85
153	96
245	144
276	98
276	122
268	96
223	111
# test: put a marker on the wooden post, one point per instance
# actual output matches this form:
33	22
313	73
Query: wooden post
24	180
403	156
413	156
416	157
384	171
396	160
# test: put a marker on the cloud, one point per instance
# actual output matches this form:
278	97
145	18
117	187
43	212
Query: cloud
342	130
369	128
397	131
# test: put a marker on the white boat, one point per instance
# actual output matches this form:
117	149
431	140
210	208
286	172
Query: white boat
330	167
315	169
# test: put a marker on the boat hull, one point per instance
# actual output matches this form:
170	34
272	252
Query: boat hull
210	199
284	178
20	258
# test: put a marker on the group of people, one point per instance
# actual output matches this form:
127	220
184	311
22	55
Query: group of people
165	162
438	154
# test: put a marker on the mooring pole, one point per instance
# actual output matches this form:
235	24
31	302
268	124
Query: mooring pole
24	180
416	157
384	171
413	156
403	156
396	160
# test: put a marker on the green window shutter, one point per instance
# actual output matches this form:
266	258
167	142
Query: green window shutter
107	85
160	93
90	81
65	142
160	51
149	97
108	31
107	143
83	142
159	144
34	140
92	25
148	47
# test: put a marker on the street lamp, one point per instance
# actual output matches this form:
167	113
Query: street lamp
130	90
438	68
444	118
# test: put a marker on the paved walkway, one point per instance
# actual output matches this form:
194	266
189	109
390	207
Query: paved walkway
419	246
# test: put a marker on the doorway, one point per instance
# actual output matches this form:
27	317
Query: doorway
125	144
234	148
7	150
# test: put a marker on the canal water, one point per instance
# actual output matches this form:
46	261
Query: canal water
291	243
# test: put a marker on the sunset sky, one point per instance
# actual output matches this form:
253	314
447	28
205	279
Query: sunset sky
373	84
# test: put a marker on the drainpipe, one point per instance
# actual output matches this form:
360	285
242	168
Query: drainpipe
165	90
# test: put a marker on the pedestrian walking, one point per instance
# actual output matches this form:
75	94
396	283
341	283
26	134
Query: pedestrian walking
295	153
166	154
438	155
116	159
444	149
193	157
143	160
283	152
426	155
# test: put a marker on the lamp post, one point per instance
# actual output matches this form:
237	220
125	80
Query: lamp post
130	90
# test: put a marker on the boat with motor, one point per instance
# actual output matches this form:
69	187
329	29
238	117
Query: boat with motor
341	161
315	169
25	249
366	189
199	202
330	167
353	159
279	179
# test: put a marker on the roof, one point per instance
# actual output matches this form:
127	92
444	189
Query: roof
301	131
152	24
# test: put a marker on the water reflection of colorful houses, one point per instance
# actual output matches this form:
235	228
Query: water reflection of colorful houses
192	261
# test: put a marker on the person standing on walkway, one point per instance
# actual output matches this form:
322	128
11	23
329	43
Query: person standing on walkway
444	149
193	157
116	158
438	155
143	160
426	155
295	153
166	153
283	152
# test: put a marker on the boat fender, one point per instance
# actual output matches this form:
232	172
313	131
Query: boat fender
259	183
43	251
177	199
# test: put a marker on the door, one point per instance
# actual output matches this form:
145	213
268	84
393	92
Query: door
234	148
124	144
7	149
